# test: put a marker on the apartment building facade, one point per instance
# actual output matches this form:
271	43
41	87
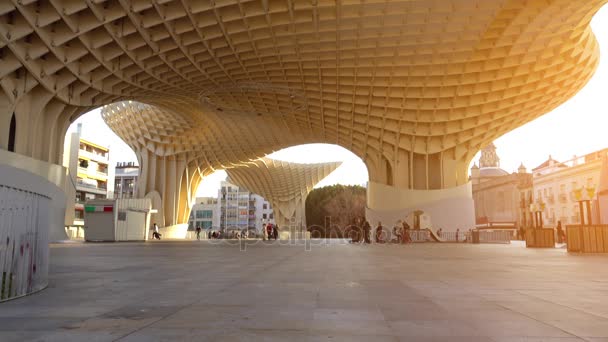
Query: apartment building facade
125	179
234	208
88	164
558	187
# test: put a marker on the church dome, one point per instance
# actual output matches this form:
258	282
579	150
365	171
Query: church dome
492	172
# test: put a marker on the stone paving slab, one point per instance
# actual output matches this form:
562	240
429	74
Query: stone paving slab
166	291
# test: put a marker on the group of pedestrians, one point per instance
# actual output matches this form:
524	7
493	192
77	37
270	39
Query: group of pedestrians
270	231
361	230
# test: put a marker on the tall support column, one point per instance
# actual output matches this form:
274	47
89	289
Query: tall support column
171	184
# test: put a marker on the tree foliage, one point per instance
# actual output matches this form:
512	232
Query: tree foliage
343	203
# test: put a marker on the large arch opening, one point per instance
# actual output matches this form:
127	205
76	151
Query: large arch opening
217	208
100	165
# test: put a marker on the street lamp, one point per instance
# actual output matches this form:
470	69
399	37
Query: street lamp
583	196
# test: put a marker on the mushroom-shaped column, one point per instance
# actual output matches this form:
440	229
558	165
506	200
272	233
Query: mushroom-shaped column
285	185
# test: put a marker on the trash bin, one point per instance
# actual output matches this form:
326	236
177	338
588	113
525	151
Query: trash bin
475	236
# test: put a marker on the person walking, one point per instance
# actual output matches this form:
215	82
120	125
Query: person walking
156	234
198	233
457	234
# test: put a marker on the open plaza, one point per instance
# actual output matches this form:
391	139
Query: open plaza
201	291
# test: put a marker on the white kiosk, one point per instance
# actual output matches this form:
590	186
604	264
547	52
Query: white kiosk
117	220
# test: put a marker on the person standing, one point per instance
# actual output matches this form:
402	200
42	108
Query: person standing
407	238
198	233
367	232
275	231
561	236
379	233
457	234
269	231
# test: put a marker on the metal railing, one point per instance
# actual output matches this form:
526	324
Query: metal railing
453	236
91	186
495	236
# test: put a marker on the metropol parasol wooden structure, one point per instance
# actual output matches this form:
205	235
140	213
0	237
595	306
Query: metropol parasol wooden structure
414	88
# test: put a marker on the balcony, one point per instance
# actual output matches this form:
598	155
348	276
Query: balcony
94	156
102	173
98	189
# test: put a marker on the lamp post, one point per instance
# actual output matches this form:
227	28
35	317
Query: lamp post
537	210
225	208
584	196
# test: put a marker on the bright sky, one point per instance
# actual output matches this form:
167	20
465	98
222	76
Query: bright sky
577	127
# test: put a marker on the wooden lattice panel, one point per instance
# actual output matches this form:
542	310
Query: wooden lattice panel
285	185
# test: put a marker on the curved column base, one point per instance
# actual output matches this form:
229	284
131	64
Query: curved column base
448	209
33	209
177	231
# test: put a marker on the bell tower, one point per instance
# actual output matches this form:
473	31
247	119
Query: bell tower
489	158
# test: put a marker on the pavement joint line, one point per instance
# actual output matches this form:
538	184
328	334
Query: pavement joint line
538	320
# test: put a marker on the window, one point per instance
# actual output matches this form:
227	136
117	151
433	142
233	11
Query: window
207	214
562	188
271	216
574	185
265	206
589	182
199	214
11	134
264	216
206	225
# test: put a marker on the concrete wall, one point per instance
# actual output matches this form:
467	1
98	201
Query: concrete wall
62	193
